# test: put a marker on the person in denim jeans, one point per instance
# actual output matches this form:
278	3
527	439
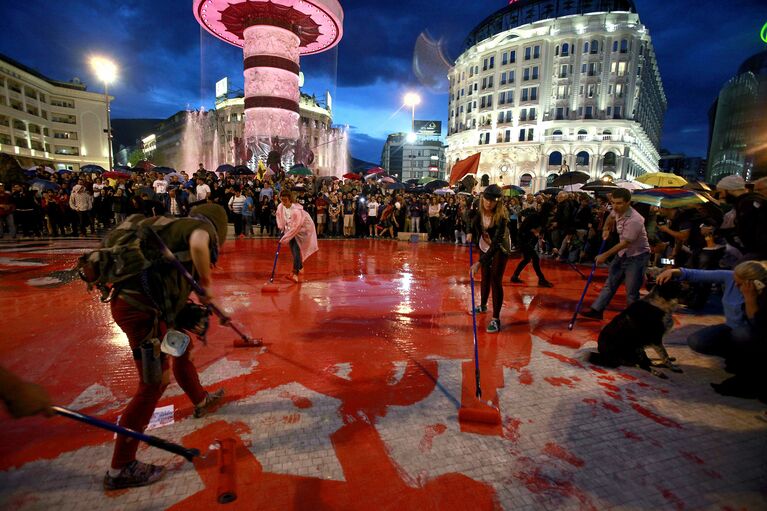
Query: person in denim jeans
633	253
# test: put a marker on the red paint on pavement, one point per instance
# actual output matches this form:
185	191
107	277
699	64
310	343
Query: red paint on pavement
525	377
563	454
562	358
663	421
672	499
631	435
612	408
428	436
511	429
692	457
608	386
559	381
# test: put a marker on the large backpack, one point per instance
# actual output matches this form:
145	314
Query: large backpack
127	251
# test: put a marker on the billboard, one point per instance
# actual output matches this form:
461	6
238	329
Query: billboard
428	128
222	87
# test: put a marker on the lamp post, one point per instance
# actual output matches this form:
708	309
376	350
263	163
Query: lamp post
106	71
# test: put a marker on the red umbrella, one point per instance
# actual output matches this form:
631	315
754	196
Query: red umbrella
146	165
116	175
352	175
376	170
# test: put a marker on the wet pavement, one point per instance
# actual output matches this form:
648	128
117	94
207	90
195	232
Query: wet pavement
353	402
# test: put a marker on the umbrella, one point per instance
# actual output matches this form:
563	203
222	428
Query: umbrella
299	170
416	189
395	186
225	168
63	171
117	175
123	168
376	170
699	186
550	191
599	186
145	165
388	180
669	197
412	182
241	170
570	178
572	188
92	168
631	185
662	179
352	175
41	185
170	176
164	170
513	191
426	179
444	191
434	184
31	172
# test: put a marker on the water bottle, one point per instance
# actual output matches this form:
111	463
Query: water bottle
151	363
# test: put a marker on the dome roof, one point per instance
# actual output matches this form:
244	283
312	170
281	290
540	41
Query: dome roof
523	12
757	64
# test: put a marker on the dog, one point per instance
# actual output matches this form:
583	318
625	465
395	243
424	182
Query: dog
622	342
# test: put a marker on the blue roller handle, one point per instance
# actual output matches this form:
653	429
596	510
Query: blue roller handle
474	322
274	266
586	287
154	441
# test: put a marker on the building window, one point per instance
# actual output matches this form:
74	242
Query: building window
503	78
522	135
530	135
525	180
565	50
492	62
511	76
615	46
617	113
523	114
507	136
609	159
526	74
586	47
555	159
513	56
535	72
594	47
505	59
624	46
582	159
484	65
560	115
589	112
528	53
508	115
537	52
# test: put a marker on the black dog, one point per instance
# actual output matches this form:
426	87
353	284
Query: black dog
642	325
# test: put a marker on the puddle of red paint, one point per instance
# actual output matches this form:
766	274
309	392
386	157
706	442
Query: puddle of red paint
563	358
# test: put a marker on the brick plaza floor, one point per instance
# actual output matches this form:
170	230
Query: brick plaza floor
353	403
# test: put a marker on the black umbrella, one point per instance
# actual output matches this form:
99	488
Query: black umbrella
163	170
435	185
410	183
395	186
242	170
416	189
570	178
550	191
225	168
599	186
92	168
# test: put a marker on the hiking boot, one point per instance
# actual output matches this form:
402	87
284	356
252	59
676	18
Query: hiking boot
479	309
545	283
212	400
494	326
515	280
134	474
592	314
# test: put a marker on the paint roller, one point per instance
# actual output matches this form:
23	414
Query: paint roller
479	412
245	341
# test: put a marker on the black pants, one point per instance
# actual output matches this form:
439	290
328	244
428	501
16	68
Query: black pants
529	254
433	228
237	221
492	278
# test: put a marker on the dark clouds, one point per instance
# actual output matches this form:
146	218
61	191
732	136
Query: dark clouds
168	63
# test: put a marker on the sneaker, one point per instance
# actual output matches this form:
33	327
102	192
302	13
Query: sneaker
494	326
209	405
592	314
545	283
479	309
134	474
515	280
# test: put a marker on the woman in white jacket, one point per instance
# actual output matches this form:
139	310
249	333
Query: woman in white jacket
298	229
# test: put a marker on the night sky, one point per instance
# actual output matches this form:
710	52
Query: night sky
168	63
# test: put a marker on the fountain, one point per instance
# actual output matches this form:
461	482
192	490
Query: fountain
273	35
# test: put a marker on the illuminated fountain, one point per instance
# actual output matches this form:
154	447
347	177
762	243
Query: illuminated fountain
273	35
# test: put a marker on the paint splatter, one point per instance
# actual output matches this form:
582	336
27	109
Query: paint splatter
562	358
559	382
672	499
525	377
628	377
511	428
428	437
606	377
608	386
293	418
610	407
663	421
613	395
692	457
713	474
598	370
563	454
631	435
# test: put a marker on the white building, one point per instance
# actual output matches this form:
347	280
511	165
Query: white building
44	121
544	84
409	156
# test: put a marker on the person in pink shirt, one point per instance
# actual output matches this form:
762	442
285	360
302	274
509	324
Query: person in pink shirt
298	230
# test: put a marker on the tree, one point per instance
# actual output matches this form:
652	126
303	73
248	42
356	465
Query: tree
135	156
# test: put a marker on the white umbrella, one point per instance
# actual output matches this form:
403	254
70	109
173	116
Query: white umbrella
572	188
444	191
631	185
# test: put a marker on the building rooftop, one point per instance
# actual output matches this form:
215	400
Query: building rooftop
75	84
523	12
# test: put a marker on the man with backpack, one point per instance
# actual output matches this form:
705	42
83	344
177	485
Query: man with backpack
150	300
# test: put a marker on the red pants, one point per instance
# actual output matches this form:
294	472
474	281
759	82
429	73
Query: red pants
137	325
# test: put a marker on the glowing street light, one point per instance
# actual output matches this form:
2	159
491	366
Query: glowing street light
412	99
106	71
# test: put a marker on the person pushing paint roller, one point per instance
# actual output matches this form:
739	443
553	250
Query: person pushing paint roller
146	307
489	231
298	230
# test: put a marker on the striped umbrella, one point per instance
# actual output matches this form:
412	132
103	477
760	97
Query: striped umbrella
669	198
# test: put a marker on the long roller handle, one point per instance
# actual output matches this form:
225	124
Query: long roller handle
586	288
474	323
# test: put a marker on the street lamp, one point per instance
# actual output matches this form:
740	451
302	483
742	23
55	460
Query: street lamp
106	71
412	99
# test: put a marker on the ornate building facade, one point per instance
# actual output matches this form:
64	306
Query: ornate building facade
544	86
